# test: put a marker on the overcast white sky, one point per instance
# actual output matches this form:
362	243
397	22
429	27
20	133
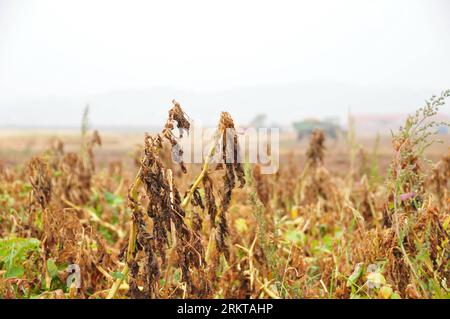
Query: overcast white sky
84	47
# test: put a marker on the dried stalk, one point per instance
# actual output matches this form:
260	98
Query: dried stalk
133	227
134	191
199	179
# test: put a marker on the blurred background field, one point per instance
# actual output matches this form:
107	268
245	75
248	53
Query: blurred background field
17	146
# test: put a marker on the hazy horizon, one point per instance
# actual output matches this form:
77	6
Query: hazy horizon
148	107
287	59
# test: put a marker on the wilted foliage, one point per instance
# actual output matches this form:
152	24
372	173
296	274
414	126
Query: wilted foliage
226	230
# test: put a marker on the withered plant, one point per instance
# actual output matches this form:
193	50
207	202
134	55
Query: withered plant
166	237
332	222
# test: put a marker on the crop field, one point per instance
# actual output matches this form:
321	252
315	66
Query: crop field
94	215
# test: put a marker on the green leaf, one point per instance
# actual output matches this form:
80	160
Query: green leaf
52	268
112	199
395	296
27	187
118	275
355	275
14	250
15	272
177	275
295	236
241	225
7	199
391	205
446	223
328	242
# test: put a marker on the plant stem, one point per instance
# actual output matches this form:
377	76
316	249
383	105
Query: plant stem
199	179
398	234
131	241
